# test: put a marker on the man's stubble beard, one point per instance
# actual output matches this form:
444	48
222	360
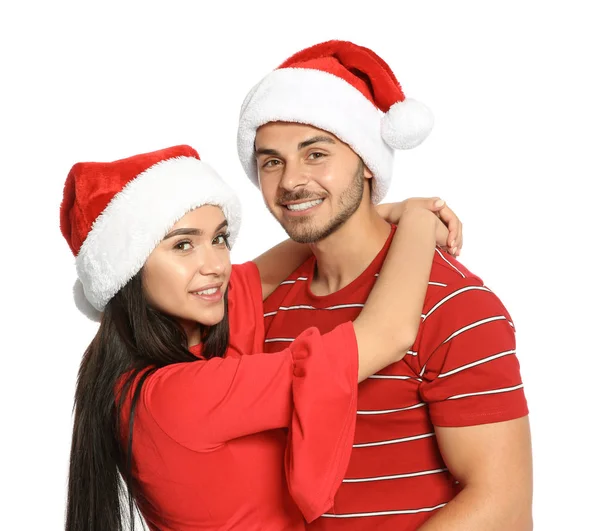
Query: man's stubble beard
302	229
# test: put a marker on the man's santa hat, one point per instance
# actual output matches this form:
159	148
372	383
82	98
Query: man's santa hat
342	88
114	214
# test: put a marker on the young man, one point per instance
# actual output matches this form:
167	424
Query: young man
442	438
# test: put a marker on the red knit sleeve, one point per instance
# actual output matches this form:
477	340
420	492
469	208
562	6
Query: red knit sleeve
310	388
323	420
245	310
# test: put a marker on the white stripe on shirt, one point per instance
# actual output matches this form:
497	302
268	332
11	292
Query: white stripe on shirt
394	441
454	294
308	307
450	264
299	307
293	281
385	411
474	325
385	513
392	377
492	392
396	476
475	363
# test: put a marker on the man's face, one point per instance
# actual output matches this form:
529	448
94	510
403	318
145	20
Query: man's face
310	180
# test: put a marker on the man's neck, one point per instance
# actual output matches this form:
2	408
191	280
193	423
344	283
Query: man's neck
344	255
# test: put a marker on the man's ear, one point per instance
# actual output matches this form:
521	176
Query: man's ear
368	174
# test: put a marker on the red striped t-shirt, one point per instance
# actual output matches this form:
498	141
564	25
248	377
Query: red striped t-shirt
461	371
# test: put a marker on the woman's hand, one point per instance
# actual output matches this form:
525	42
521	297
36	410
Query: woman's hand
451	239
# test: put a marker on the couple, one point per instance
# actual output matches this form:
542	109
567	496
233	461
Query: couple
221	411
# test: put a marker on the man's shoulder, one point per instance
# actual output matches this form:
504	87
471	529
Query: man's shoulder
451	281
447	270
456	295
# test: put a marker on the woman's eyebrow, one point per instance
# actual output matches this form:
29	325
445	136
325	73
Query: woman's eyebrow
192	232
184	232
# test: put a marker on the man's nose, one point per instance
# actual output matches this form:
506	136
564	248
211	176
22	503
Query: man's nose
294	176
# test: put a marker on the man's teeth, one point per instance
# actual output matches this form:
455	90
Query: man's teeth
210	291
305	206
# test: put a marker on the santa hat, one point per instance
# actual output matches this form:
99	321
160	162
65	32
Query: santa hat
114	214
342	88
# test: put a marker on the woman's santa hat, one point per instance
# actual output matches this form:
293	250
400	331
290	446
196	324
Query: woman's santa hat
342	88
114	214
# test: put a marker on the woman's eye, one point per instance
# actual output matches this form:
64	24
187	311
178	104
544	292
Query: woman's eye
183	246
222	239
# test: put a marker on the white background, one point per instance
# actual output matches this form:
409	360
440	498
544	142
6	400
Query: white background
514	88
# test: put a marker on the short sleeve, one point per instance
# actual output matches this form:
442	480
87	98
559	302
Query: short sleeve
245	310
467	358
309	388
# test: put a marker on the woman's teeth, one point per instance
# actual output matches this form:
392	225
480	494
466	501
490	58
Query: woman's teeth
304	206
210	291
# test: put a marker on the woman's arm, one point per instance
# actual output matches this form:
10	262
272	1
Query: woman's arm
276	264
388	324
392	212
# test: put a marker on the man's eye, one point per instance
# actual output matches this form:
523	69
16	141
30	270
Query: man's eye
271	163
316	155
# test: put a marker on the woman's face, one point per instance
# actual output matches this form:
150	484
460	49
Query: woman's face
187	273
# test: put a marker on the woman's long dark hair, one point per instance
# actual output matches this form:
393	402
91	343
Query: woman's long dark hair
133	341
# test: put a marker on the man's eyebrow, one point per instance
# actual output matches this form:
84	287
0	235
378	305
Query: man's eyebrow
301	145
314	140
266	151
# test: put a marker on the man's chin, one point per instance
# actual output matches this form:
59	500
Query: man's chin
302	229
305	235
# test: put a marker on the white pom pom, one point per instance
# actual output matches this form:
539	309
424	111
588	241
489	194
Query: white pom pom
406	124
83	305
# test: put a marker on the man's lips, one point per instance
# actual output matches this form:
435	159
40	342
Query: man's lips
302	205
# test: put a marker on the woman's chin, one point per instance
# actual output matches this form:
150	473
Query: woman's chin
210	318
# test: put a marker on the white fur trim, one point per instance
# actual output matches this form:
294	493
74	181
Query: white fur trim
140	215
325	101
83	305
406	124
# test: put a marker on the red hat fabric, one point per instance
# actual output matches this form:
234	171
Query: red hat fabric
113	214
342	88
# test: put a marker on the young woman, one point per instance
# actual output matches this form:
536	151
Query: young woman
177	410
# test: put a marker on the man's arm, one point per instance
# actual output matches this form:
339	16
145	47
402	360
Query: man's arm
474	392
493	464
